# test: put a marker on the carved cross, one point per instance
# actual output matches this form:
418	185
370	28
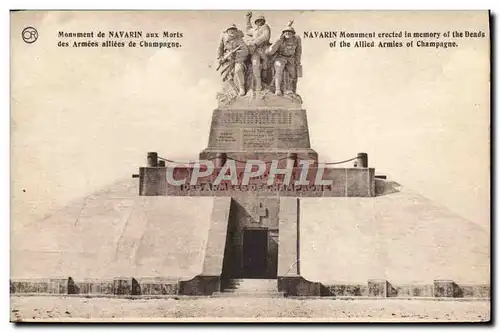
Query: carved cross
261	211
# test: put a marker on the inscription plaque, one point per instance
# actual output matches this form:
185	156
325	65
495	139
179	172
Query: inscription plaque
259	138
238	130
258	117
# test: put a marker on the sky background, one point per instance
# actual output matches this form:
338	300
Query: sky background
85	118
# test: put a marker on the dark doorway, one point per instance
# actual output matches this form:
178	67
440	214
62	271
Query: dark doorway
255	253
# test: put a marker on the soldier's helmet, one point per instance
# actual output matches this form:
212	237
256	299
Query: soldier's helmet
260	18
232	26
289	28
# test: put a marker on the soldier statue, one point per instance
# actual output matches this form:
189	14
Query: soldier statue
286	53
254	64
232	54
257	45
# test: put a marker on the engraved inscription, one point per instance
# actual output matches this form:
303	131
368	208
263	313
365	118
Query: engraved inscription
256	118
259	138
293	137
226	137
259	129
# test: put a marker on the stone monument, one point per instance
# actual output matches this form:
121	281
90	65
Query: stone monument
259	118
261	123
206	228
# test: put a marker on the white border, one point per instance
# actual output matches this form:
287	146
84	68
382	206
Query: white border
149	4
254	4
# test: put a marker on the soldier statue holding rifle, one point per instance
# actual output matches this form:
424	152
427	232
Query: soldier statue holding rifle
232	54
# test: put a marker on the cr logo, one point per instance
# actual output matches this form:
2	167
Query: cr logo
30	35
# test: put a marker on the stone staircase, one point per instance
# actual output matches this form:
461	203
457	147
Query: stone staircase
250	288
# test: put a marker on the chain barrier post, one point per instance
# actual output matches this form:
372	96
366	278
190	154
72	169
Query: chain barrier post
220	159
152	159
291	160
362	160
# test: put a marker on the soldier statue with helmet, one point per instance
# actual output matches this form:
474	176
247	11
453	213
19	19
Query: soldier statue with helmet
260	34
286	52
232	54
254	64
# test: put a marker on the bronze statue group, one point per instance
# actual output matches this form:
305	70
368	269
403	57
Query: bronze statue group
252	63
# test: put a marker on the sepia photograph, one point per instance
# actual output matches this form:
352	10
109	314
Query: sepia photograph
250	166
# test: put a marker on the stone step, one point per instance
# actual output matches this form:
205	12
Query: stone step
250	290
252	284
254	281
260	288
249	294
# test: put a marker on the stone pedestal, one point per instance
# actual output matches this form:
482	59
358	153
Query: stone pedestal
260	134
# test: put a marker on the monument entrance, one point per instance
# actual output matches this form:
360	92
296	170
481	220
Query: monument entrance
255	252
